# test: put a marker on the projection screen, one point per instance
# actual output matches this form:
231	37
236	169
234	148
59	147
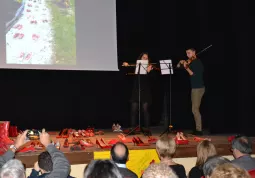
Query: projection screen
59	34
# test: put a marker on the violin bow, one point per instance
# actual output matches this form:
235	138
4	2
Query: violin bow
204	50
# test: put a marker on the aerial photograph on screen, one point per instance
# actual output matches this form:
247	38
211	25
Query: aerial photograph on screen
41	32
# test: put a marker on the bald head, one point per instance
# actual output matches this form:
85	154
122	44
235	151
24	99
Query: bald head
119	153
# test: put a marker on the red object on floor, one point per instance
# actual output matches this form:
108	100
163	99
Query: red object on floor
4	133
231	138
181	142
113	142
152	140
27	149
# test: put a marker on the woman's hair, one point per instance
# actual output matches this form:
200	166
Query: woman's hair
229	170
166	147
141	55
160	171
102	169
205	149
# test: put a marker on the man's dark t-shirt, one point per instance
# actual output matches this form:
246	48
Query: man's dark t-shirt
196	79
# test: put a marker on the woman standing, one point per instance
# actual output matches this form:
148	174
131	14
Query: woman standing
145	93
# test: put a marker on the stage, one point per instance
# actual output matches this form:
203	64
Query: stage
85	156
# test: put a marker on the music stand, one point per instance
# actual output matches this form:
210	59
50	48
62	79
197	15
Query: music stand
141	69
167	69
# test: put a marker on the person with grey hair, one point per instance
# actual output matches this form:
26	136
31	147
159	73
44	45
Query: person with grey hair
212	163
21	140
102	169
13	169
160	170
242	148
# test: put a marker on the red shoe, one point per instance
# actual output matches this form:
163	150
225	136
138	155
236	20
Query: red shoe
180	139
27	149
86	143
21	35
28	57
113	142
16	35
28	10
66	133
124	139
77	148
138	142
100	132
66	143
152	140
35	37
60	134
231	138
76	135
39	146
102	144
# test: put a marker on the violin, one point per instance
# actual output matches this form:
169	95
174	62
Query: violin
153	65
189	61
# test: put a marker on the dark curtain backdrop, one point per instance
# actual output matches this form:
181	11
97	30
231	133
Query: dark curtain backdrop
164	29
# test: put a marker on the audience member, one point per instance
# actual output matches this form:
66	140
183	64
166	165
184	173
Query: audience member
44	165
102	169
21	139
61	166
228	170
242	148
159	171
212	163
166	148
120	155
205	149
13	169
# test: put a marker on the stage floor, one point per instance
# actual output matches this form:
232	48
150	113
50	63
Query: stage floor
85	156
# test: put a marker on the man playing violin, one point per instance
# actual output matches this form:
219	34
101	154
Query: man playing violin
195	69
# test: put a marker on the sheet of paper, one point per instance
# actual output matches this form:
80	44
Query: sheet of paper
166	67
143	66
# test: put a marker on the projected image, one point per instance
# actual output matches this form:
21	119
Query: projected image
41	32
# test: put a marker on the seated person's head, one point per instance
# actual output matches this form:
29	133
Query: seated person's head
212	163
102	169
45	162
159	171
229	170
205	149
13	169
241	146
119	153
165	147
